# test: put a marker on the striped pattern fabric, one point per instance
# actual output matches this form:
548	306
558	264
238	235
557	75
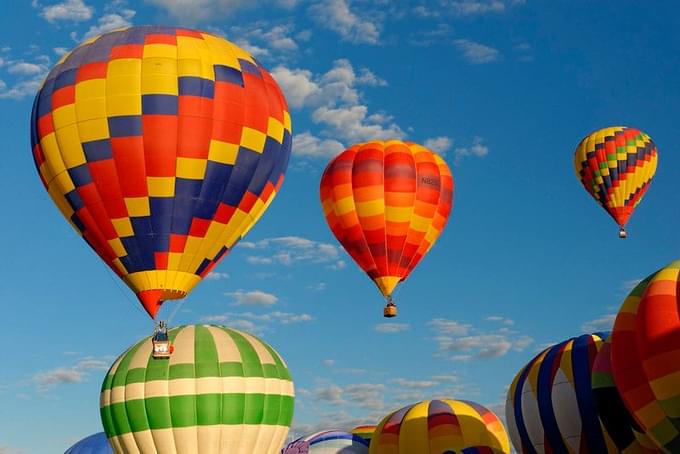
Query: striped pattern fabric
440	426
646	355
387	202
94	444
626	434
162	147
328	442
222	391
365	431
550	406
616	166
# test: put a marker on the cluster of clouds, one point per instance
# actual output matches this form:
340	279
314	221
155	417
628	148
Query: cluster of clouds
76	373
290	250
257	323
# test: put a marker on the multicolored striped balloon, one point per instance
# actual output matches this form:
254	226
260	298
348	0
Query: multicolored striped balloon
646	354
626	434
440	426
221	392
550	406
162	147
365	431
94	444
387	202
616	166
328	442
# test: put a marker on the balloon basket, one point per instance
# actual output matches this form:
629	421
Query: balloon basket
390	310
622	233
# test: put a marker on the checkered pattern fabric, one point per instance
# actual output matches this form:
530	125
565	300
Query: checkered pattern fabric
616	166
162	147
387	202
440	427
646	355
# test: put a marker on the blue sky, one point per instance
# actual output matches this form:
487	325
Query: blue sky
504	89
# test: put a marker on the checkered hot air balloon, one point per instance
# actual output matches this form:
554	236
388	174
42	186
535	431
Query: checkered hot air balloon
328	442
646	356
616	166
387	202
550	406
222	392
626	434
440	427
162	147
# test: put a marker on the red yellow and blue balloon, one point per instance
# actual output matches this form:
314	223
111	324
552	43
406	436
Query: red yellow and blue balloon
162	147
616	166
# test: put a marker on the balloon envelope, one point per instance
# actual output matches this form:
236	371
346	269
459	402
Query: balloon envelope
440	426
222	391
94	444
550	406
616	166
328	442
162	147
645	352
365	431
387	202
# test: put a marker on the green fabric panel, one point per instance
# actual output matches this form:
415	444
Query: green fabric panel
270	371
209	407
233	406
119	418
284	373
231	369
182	371
287	409
205	353
158	410
107	421
254	409
108	382
137	375
183	411
272	408
252	367
120	375
136	414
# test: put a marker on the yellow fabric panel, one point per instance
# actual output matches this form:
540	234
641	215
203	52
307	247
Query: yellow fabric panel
118	247
344	206
64	116
123	67
123	105
413	432
61	202
119	266
223	152
566	362
221	52
372	208
159	76
96	129
286	122
161	186
253	139
70	146
397	214
53	159
160	50
191	168
187	48
123	227
138	206
275	129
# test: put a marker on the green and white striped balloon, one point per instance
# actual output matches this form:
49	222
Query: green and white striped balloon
221	391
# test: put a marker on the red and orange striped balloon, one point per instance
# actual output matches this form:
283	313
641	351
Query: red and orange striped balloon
387	202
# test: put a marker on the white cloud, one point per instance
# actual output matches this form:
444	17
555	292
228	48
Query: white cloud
109	22
604	323
253	298
26	69
479	7
318	287
306	144
60	51
461	342
502	320
415	384
249	320
290	250
68	10
69	375
477	149
476	53
366	77
216	276
353	123
262	38
337	16
297	85
328	362
20	89
390	328
440	144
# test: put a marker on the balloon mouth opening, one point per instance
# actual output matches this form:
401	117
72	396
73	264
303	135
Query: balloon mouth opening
153	299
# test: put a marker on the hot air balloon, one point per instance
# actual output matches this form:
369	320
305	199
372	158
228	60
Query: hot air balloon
440	426
162	147
222	392
616	166
94	444
550	406
365	431
387	202
645	348
626	434
328	442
